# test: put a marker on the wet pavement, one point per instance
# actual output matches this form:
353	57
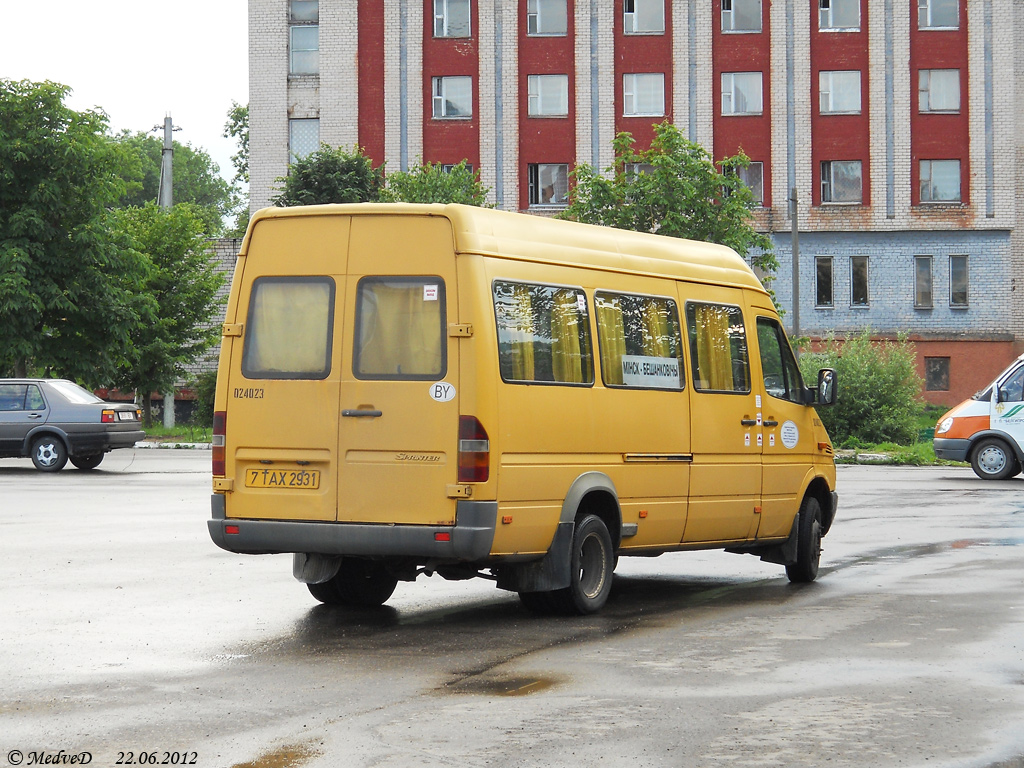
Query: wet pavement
125	630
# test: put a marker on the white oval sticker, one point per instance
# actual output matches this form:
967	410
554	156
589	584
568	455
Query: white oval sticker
442	391
790	434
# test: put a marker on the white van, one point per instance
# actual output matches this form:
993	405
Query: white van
988	429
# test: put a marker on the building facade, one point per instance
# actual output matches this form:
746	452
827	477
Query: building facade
894	123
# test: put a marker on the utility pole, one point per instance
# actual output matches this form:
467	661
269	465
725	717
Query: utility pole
796	262
165	199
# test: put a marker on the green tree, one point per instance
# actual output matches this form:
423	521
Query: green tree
70	293
431	183
672	189
330	176
879	389
183	282
197	179
237	128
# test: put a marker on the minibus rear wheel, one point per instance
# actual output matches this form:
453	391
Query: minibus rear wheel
808	546
993	460
593	560
362	583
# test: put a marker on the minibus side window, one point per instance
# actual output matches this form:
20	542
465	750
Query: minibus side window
778	366
400	329
718	348
289	328
543	334
639	340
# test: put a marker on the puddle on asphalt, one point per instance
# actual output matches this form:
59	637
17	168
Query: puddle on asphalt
286	757
515	686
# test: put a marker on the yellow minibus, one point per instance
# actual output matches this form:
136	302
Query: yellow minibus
419	389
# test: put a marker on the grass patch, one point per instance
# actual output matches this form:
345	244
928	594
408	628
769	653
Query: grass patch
180	433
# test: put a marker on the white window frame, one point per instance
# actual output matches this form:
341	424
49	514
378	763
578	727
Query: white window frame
643	94
543	13
293	68
294	124
853	281
827	14
636	12
925	9
833	83
966	281
745	174
304	10
923	269
542	90
440	88
927	175
831	282
828	179
535	173
729	17
442	18
730	80
926	79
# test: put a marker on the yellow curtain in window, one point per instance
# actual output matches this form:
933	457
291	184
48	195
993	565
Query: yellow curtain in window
289	328
613	338
400	330
657	331
714	357
566	358
521	333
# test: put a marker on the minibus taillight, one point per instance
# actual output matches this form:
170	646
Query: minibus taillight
474	451
220	428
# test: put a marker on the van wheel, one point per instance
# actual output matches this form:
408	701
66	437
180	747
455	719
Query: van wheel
808	546
592	566
992	460
87	462
49	454
363	583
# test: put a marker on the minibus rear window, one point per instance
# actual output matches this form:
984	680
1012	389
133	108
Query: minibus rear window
543	334
400	329
718	347
289	328
640	341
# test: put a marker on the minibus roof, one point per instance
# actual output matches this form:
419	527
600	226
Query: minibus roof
505	234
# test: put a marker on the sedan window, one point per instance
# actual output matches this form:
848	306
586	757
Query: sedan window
12	397
34	399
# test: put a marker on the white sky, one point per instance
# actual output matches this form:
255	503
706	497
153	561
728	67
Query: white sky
137	60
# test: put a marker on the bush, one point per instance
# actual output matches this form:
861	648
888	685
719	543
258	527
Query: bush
879	392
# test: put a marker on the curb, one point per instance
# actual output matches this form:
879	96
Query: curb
157	445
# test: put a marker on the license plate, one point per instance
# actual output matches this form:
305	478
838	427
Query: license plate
282	478
125	416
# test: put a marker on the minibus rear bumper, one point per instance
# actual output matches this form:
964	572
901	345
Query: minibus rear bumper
951	449
469	540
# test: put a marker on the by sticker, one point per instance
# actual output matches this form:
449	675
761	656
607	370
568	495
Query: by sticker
442	391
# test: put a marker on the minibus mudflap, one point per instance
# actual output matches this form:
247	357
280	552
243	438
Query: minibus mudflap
468	540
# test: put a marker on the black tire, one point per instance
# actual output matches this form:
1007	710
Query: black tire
87	462
992	459
593	561
808	545
362	583
49	453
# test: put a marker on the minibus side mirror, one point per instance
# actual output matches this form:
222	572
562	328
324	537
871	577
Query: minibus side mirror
826	394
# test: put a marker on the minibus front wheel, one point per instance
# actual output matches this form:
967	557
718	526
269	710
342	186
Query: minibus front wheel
993	460
808	544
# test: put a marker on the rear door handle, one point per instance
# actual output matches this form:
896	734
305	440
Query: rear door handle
771	423
748	422
35	415
355	413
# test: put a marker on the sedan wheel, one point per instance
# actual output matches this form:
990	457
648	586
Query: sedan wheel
49	454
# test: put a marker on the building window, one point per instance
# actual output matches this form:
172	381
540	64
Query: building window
938	14
741	93
936	374
643	17
823	282
752	177
842	181
938	90
839	15
303	138
958	281
546	17
305	10
858	281
453	97
549	183
940	181
741	15
923	282
451	167
643	94
304	56
839	92
548	95
451	18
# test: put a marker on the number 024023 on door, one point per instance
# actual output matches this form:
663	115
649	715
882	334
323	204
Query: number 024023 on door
282	478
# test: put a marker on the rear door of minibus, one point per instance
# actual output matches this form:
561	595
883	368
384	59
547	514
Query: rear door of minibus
399	407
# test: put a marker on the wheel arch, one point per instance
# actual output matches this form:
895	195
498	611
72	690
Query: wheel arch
977	437
594	493
42	431
819	489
